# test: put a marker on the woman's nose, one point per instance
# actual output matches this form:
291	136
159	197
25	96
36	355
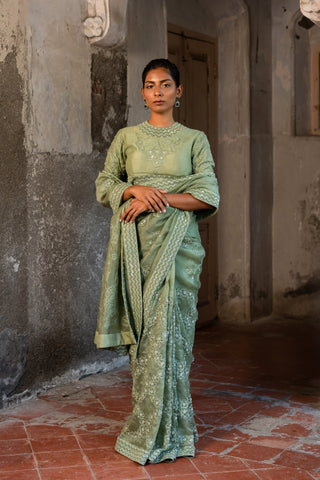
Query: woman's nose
158	91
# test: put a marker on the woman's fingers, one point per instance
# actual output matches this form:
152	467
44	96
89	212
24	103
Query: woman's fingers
157	201
145	199
163	199
130	213
157	204
137	206
154	198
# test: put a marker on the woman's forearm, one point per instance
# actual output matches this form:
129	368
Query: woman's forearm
185	201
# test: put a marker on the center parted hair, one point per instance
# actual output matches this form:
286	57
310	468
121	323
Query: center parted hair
162	63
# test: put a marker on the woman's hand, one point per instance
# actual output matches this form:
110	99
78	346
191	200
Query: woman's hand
153	198
135	208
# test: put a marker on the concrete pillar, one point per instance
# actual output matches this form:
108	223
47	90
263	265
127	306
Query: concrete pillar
13	204
261	162
147	39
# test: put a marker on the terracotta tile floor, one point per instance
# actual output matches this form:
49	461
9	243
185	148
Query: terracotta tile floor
256	393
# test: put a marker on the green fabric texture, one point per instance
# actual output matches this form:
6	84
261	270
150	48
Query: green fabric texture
150	283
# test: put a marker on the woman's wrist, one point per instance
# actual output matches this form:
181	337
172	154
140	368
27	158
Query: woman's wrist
128	193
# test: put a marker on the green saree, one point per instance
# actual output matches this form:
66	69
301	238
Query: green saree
150	283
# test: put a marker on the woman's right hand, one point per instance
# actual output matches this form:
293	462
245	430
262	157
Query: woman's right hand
153	198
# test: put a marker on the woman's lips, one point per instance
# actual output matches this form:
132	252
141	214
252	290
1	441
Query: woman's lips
159	102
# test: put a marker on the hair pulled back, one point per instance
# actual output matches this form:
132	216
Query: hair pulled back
162	63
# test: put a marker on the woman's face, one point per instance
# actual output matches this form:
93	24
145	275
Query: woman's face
160	90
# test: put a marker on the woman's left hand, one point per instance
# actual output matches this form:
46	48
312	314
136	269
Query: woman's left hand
135	208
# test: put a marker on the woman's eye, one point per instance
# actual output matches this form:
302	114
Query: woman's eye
149	86
167	84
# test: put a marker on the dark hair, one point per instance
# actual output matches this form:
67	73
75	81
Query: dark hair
162	63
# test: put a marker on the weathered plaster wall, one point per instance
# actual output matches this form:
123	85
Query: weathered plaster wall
147	39
296	218
261	162
54	234
59	62
228	22
109	95
234	165
13	205
67	240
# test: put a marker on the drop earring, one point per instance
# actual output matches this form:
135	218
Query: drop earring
145	104
177	102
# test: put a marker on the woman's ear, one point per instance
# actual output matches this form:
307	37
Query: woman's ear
179	91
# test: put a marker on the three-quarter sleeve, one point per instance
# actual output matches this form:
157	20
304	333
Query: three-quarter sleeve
111	182
202	166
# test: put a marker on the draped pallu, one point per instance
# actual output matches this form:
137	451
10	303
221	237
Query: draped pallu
150	283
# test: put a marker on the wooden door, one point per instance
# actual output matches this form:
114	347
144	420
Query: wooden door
195	56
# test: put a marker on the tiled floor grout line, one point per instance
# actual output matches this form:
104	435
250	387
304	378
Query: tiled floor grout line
33	453
311	475
255	473
147	473
195	466
238	408
103	407
84	455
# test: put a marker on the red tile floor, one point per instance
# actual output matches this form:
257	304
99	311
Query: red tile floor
256	394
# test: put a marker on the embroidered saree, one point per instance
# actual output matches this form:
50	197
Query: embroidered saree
150	283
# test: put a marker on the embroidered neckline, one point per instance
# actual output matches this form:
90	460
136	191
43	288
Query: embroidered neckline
149	129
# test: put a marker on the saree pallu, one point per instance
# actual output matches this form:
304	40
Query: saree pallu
148	303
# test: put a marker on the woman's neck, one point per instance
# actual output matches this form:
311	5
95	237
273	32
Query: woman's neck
161	120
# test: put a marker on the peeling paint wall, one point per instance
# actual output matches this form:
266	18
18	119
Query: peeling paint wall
59	62
13	205
296	217
109	95
54	234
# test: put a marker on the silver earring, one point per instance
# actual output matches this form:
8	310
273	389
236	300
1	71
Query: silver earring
177	103
145	104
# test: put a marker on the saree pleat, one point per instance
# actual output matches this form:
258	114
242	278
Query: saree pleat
148	303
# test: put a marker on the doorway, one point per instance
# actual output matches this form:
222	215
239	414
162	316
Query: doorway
196	57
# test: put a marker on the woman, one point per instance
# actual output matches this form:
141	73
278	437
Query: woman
158	179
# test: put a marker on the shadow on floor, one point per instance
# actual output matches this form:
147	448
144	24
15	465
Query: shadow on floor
277	352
